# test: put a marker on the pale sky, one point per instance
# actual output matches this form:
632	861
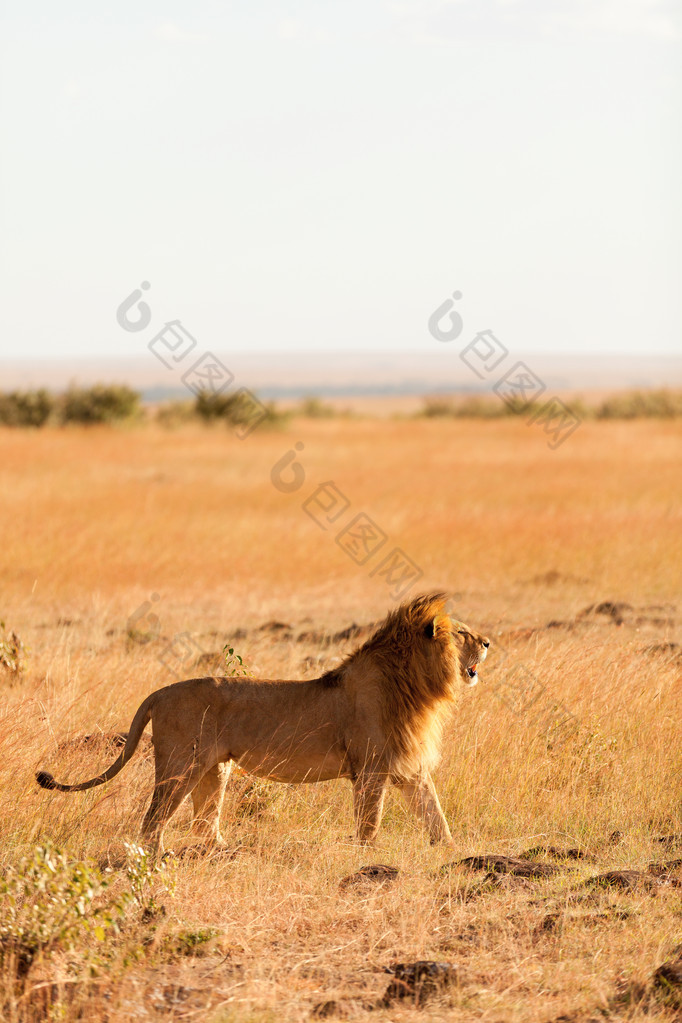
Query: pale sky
324	175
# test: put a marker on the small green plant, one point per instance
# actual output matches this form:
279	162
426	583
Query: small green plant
51	901
48	902
190	943
12	651
234	663
148	879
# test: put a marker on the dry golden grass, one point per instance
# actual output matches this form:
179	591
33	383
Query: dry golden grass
93	522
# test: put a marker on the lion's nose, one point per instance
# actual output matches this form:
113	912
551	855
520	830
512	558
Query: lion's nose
486	642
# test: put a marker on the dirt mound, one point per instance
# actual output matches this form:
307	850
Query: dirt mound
673	650
352	631
505	865
630	880
280	628
419	981
552	577
554	853
375	873
621	613
609	612
101	742
212	662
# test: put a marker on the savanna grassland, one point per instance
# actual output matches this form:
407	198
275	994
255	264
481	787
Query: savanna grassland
126	554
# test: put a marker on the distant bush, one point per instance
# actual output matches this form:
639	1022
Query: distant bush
661	404
111	403
101	403
26	408
314	408
176	413
474	407
236	409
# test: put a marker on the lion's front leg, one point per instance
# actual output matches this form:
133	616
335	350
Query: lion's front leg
368	804
207	797
421	797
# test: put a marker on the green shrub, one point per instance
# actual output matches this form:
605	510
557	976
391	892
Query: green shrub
101	403
199	942
26	408
50	902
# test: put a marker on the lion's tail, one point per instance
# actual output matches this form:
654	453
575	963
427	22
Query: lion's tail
139	723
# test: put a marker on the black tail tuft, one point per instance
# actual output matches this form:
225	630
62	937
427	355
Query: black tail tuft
45	780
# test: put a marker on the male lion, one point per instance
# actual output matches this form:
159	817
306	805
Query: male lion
375	719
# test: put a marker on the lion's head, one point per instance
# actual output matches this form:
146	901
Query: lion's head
429	652
424	658
472	649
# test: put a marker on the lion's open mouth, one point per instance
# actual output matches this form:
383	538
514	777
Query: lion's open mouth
471	672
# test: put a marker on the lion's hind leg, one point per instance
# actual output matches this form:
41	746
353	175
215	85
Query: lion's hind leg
174	780
207	797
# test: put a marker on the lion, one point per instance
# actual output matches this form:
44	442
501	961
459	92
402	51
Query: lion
376	719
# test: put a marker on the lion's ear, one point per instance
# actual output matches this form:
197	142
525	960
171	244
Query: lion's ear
432	627
440	621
